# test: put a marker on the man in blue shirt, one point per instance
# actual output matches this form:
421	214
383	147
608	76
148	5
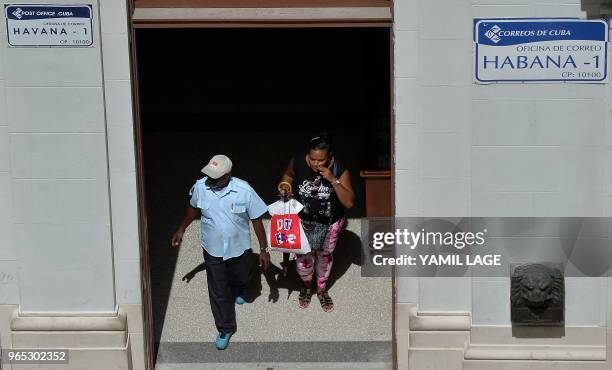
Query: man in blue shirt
225	204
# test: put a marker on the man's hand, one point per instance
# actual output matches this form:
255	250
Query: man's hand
264	260
191	213
177	238
264	257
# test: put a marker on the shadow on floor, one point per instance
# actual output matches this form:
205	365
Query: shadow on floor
348	251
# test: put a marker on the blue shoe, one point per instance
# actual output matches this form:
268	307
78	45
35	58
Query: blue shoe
240	297
223	340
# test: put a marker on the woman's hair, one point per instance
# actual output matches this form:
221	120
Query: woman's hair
322	140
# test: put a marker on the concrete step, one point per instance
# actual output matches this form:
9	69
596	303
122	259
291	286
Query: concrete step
275	352
534	365
278	366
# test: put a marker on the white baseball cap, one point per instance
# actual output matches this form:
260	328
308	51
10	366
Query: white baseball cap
218	166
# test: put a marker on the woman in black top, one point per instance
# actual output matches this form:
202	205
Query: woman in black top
322	184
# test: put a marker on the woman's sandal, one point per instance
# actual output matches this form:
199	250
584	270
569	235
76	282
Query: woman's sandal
326	302
304	298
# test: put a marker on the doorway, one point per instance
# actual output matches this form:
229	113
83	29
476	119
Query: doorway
258	95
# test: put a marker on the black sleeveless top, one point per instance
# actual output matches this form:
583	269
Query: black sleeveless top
321	203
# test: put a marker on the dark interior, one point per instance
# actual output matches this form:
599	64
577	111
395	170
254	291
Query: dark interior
256	95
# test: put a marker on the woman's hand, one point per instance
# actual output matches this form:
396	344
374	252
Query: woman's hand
285	192
327	173
284	187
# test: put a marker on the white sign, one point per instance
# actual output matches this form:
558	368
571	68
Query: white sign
49	25
541	50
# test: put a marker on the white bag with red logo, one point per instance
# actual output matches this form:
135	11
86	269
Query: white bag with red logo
285	233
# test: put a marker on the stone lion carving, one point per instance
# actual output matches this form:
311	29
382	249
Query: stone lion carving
537	287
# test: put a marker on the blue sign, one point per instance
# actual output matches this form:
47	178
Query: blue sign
540	50
49	25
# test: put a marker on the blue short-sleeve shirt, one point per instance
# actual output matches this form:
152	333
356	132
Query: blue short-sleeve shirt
225	216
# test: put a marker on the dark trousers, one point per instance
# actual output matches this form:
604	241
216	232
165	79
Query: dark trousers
224	279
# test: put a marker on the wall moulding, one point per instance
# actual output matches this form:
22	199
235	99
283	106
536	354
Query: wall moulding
439	320
89	339
537	343
452	330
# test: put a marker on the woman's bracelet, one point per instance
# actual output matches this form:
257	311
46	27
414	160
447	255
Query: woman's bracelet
284	183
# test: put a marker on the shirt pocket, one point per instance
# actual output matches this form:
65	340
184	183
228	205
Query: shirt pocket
204	205
239	211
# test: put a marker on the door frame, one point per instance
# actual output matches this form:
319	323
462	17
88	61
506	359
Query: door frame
147	311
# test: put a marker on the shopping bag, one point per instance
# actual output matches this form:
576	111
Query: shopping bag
285	233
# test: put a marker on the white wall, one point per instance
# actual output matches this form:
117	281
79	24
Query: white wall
9	288
59	180
432	107
497	150
121	161
66	167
